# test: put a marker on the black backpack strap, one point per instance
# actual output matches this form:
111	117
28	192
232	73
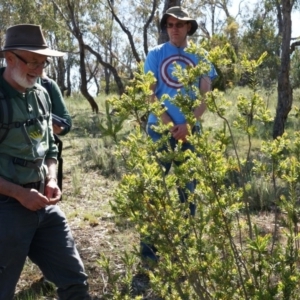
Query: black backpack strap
5	116
47	84
60	161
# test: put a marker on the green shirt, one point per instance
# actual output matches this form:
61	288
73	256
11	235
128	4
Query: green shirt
31	143
58	104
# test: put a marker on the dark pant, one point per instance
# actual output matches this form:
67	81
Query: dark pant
45	237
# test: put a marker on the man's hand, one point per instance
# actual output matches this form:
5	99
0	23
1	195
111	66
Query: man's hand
52	191
180	132
57	129
33	200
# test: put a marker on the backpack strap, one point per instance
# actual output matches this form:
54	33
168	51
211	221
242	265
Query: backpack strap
47	84
60	160
5	116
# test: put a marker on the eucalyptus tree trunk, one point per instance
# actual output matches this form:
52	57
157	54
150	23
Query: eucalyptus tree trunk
74	26
69	84
82	66
285	93
107	76
108	56
163	36
83	85
61	74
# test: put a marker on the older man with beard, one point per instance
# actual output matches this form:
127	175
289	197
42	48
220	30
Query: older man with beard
30	222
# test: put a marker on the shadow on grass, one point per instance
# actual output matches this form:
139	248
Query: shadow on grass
37	289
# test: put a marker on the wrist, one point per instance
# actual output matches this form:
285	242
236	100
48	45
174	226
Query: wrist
49	178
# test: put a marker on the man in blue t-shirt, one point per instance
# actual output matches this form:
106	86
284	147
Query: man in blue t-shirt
160	61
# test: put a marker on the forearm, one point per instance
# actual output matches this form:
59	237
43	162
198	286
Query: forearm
199	111
205	87
51	164
165	117
10	189
52	190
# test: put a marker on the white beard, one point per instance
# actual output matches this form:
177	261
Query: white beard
22	79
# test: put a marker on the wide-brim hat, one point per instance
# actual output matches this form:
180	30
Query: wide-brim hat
180	14
29	38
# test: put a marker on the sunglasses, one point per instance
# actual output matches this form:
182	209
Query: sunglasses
177	25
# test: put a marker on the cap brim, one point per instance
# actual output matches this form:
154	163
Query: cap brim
46	52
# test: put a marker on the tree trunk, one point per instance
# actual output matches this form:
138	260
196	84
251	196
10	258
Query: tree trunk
83	85
107	81
76	31
111	68
213	14
61	74
69	85
97	86
285	93
108	56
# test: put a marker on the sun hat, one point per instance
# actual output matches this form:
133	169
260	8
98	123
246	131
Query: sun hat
180	14
29	38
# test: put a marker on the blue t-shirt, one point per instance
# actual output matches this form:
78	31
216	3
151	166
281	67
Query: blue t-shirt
160	60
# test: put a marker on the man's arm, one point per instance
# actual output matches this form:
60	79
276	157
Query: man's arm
179	132
205	86
52	191
165	117
11	189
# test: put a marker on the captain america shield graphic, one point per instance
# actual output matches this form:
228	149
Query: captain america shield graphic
167	68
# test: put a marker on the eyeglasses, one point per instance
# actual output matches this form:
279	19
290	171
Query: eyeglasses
32	65
177	25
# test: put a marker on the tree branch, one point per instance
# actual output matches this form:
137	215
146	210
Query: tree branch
126	31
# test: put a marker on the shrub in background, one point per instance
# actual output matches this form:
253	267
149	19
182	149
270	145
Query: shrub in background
221	253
